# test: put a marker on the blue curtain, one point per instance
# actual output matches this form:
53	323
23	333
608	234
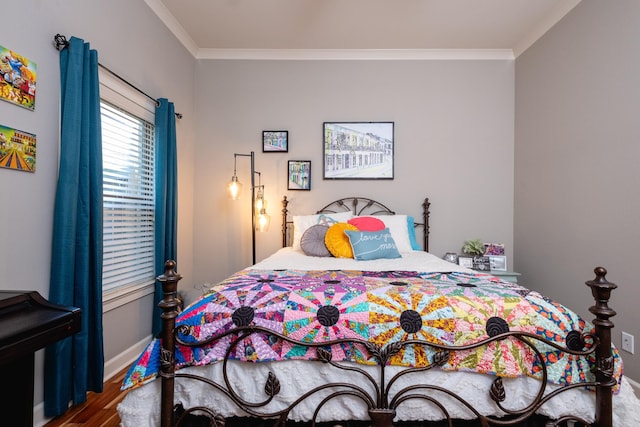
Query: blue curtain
166	196
76	365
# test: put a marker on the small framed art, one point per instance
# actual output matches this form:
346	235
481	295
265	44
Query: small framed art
18	77
498	262
481	263
465	261
494	248
275	141
17	149
299	176
358	150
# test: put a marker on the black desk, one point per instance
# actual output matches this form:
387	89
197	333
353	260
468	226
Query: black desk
28	322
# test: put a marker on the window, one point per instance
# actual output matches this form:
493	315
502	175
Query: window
128	192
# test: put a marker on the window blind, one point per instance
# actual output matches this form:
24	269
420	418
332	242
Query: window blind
129	199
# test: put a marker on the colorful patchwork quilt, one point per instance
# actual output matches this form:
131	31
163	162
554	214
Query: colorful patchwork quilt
454	309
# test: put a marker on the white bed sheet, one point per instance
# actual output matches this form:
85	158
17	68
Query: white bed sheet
410	261
141	406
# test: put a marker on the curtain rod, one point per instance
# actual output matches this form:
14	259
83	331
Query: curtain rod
60	42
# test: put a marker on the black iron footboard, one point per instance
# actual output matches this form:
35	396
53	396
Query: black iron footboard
379	398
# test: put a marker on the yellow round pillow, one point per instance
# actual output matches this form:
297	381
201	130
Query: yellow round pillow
337	240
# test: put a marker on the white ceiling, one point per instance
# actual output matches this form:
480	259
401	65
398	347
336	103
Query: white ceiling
317	29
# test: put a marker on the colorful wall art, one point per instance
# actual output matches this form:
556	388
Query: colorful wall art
17	149
17	79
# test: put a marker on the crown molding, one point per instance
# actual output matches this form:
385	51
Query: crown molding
343	54
545	25
355	54
173	25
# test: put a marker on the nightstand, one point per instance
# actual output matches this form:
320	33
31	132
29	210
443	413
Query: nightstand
509	276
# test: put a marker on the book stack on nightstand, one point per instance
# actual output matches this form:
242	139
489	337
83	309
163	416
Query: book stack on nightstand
509	276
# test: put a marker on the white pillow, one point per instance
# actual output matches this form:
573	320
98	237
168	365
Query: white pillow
302	222
397	225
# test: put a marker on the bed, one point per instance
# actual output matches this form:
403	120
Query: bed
387	334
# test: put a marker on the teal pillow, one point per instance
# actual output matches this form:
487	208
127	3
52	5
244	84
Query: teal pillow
369	245
411	226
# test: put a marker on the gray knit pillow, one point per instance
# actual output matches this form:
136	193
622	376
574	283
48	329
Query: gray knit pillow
312	241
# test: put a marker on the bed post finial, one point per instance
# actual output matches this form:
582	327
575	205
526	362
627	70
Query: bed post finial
169	306
425	219
285	212
601	290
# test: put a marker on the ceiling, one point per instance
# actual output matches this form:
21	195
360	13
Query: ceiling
318	29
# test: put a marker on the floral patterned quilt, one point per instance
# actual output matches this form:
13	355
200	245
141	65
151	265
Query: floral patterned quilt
454	309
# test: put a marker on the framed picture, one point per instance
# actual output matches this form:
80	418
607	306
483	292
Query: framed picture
275	141
299	177
465	261
17	149
17	79
358	150
481	263
494	248
498	262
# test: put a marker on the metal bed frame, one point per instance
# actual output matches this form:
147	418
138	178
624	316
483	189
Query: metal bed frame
382	403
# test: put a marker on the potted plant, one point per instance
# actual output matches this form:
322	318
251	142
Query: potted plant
473	247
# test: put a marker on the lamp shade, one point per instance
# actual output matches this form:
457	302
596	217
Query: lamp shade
234	188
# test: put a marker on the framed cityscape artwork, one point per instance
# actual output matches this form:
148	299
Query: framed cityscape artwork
358	150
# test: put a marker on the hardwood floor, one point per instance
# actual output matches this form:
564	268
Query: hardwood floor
98	411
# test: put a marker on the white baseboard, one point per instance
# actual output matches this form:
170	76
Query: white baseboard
124	359
111	368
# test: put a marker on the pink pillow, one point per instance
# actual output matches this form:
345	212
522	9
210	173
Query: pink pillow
367	223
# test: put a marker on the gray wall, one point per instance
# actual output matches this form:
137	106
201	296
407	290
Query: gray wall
576	160
453	143
133	42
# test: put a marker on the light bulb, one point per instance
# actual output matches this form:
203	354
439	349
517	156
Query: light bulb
264	219
234	188
260	203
